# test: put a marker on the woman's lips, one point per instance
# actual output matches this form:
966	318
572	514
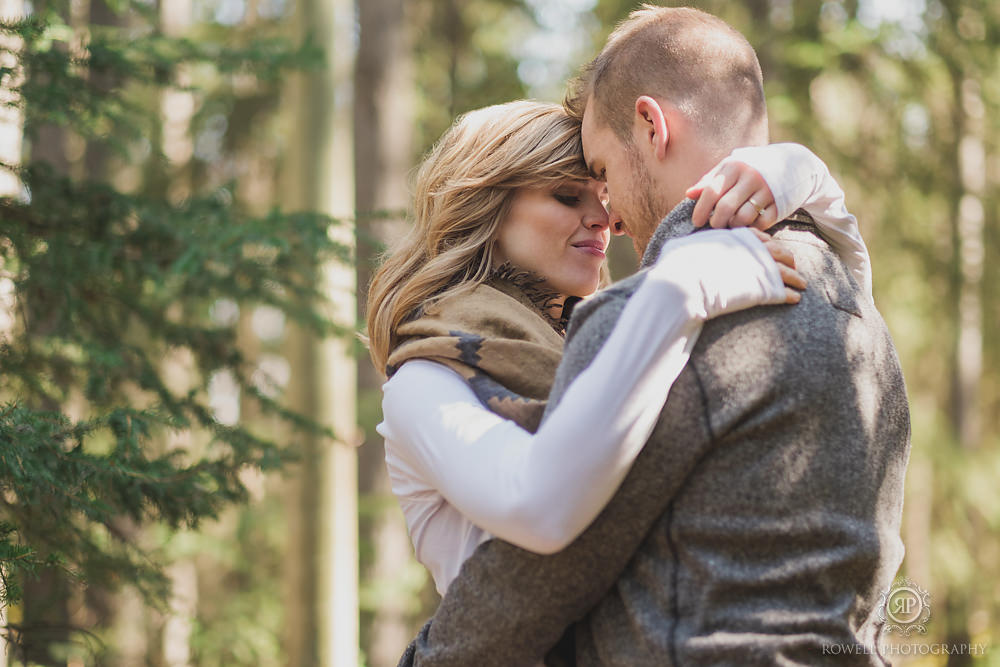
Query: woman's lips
591	247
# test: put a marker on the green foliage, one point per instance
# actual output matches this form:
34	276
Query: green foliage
464	59
240	620
111	292
66	86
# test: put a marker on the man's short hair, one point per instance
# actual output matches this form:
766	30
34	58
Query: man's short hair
691	59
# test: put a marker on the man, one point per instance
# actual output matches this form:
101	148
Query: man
761	521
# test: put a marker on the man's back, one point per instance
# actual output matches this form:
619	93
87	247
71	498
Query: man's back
785	527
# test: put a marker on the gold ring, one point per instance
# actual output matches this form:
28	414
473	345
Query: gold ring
760	210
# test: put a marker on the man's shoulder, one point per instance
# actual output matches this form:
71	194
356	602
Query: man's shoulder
814	344
606	303
591	324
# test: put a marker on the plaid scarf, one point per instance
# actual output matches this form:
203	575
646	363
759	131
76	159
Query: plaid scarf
499	337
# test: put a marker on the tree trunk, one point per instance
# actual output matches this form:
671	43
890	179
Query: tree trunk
322	617
44	612
383	139
177	107
454	34
11	144
971	250
968	232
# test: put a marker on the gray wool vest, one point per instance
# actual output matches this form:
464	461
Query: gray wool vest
759	524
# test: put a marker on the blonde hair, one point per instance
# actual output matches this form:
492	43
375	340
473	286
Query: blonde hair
462	194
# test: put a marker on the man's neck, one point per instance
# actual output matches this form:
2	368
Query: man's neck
677	223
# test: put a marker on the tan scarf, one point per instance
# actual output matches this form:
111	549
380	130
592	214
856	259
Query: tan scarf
499	337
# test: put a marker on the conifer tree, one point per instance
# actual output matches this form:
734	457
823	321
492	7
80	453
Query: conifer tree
103	284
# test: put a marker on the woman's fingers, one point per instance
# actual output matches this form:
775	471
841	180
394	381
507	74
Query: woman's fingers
733	194
786	266
779	252
709	190
767	214
791	277
747	214
731	210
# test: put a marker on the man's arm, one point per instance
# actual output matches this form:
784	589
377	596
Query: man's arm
509	606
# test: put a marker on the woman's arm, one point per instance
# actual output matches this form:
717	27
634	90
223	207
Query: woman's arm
781	178
539	492
799	179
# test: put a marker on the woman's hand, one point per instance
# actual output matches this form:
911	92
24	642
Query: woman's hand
786	266
733	194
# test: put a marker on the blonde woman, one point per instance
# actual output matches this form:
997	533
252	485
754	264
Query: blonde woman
466	317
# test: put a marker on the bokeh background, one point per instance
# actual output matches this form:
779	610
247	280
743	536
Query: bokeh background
266	107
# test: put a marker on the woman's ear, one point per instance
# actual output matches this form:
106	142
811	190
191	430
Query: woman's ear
651	121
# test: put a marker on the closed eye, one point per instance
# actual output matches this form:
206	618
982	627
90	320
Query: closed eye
567	200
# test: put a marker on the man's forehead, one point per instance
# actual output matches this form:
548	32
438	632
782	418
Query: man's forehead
588	135
589	124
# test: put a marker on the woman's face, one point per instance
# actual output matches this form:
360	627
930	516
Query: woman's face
559	232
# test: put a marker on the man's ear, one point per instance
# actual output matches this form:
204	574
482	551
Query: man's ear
652	121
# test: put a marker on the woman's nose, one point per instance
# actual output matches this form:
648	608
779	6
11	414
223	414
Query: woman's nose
596	218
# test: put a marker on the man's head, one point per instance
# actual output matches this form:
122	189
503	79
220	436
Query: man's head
673	92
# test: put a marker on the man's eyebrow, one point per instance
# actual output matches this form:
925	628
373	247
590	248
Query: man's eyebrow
593	172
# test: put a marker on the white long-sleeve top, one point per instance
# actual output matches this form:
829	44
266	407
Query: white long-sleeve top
463	474
799	179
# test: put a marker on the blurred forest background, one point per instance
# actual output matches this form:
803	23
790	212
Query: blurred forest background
194	194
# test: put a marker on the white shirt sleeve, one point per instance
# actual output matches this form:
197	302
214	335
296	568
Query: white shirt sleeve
799	179
541	491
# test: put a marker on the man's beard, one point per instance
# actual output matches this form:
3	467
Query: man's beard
647	210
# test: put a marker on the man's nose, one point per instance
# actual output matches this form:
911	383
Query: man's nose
615	221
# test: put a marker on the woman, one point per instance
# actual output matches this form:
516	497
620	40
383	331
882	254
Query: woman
467	314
